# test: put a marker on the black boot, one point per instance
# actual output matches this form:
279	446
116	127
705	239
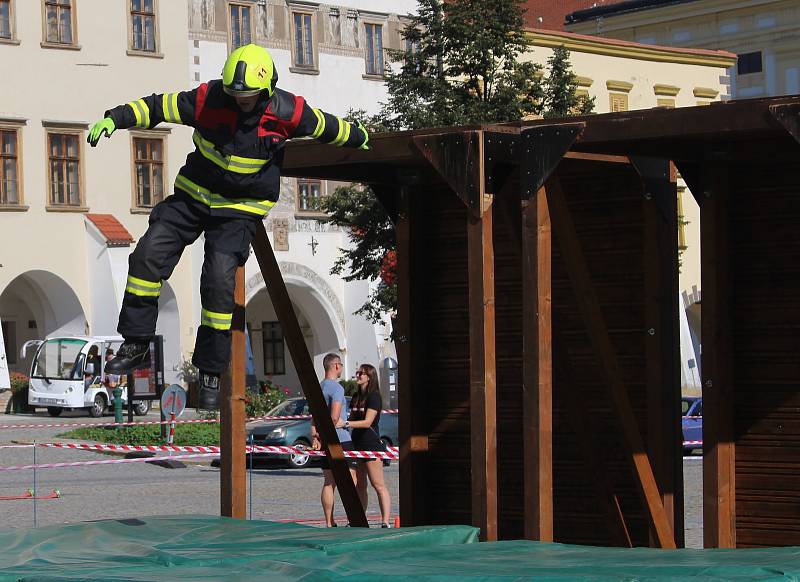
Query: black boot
132	354
209	391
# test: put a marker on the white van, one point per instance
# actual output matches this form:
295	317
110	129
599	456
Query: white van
67	372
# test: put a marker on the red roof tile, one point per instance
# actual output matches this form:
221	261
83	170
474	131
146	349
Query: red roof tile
111	228
551	14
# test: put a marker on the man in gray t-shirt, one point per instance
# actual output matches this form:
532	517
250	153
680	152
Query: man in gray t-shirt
334	394
337	404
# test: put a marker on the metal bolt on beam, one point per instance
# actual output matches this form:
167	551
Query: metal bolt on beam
651	331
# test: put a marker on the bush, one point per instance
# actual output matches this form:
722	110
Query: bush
19	394
19	382
350	387
199	435
269	396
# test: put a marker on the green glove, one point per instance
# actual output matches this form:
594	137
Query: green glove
105	126
364	145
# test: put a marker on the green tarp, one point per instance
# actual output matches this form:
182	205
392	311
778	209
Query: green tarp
188	548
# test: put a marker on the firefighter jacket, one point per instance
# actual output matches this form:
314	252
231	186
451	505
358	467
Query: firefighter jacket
235	168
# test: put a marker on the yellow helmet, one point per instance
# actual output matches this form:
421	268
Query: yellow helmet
248	71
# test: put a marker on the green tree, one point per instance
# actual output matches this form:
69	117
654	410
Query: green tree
462	66
560	88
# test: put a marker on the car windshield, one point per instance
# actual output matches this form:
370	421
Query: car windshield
59	359
290	408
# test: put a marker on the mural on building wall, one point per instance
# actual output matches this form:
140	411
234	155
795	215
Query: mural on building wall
202	15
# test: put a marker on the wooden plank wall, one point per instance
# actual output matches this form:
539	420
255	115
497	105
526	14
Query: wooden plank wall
440	308
605	201
765	303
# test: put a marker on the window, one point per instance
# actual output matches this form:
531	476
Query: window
749	63
309	195
9	167
148	166
274	361
303	40
240	25
143	25
64	169
10	341
6	31
618	102
665	102
59	22
374	49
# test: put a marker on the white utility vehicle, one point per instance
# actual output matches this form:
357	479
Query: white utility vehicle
67	372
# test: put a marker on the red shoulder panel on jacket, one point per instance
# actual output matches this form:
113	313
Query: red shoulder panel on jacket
211	113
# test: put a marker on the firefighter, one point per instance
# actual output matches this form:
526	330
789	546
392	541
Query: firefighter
229	182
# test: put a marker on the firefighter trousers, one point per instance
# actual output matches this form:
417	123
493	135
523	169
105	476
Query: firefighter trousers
175	223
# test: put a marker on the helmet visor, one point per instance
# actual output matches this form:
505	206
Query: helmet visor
245	93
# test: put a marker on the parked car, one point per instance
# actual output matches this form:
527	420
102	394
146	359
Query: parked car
692	423
297	432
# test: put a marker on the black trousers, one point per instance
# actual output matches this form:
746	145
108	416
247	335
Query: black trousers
175	223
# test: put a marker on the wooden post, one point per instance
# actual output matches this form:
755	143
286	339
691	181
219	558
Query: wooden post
660	235
413	421
233	487
483	388
537	368
592	315
308	378
719	475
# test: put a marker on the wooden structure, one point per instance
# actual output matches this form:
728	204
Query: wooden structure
537	336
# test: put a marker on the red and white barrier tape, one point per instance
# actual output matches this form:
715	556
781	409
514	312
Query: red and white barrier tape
103	462
151	422
392	453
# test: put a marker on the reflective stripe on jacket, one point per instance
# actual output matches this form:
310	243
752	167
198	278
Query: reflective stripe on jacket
236	165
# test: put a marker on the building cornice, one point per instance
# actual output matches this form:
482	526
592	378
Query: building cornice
614	18
630	50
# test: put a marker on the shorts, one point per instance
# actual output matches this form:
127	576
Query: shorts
352	463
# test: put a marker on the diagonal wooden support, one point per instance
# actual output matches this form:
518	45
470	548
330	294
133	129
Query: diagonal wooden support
544	350
233	487
589	308
308	379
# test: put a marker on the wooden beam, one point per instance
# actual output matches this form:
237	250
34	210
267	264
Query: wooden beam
411	389
483	388
308	379
537	368
233	486
604	158
662	346
719	453
591	313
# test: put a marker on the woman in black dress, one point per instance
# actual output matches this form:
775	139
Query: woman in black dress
365	414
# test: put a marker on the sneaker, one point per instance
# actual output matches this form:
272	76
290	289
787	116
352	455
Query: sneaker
209	391
131	354
385	525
